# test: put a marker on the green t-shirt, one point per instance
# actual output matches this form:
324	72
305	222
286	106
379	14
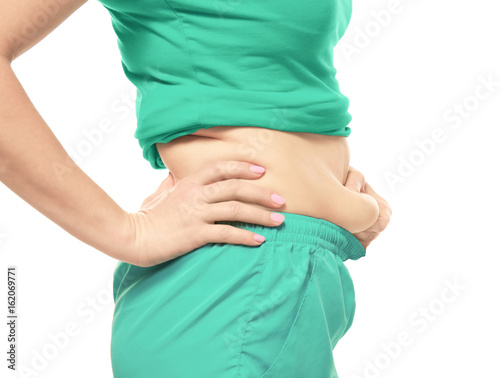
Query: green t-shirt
204	63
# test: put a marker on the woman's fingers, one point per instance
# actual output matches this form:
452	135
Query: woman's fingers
224	170
355	180
385	210
237	211
369	190
235	189
221	233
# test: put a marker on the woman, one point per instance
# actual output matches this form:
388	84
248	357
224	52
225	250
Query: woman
234	266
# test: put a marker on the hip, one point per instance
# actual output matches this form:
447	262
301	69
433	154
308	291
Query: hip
226	310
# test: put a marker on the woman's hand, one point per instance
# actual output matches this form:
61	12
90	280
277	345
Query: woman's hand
179	217
356	182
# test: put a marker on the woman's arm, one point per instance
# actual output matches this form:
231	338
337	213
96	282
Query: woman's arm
33	163
35	166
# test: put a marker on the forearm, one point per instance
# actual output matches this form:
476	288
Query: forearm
35	166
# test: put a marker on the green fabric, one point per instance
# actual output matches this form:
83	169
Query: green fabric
199	64
223	310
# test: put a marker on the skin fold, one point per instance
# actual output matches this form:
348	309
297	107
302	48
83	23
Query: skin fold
309	170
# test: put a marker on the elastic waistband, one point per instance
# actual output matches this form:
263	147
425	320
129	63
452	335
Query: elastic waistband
298	228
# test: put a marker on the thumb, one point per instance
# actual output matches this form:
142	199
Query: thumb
355	180
167	184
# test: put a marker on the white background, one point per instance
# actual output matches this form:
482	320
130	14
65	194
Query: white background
417	61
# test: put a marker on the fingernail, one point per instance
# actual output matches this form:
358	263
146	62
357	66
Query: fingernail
278	199
277	217
259	238
257	169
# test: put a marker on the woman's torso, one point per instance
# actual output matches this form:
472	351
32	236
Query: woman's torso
308	170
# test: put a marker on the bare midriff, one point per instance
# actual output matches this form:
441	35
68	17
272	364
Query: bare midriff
308	170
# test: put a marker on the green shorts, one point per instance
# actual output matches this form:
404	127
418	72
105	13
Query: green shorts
225	310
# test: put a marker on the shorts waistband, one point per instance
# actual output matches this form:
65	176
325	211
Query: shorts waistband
299	228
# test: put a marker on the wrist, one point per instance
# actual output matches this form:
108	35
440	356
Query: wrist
122	240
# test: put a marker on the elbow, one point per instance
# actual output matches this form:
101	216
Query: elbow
7	53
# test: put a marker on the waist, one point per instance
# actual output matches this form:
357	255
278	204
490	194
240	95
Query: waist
315	232
308	170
